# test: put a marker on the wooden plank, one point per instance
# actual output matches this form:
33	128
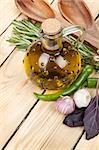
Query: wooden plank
14	86
20	96
8	12
11	11
16	95
85	144
43	129
93	6
92	144
97	23
6	47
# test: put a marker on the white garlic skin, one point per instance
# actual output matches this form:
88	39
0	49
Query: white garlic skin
65	105
82	98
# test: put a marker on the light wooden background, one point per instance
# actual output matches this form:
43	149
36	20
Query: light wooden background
25	122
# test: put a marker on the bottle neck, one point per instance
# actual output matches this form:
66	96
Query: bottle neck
52	43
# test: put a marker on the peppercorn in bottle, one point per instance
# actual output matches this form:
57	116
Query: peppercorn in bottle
52	62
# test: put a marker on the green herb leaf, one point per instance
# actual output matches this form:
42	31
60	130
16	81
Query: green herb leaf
75	119
91	118
24	33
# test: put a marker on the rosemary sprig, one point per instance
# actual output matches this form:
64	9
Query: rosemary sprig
25	32
86	52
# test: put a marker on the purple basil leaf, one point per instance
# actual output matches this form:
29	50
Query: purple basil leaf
91	118
75	119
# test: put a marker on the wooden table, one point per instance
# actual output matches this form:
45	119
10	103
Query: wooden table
25	122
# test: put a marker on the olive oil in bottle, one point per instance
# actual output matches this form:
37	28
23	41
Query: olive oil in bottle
52	62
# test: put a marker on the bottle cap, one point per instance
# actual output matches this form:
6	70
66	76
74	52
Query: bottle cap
51	26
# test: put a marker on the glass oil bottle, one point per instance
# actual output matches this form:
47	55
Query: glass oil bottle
52	62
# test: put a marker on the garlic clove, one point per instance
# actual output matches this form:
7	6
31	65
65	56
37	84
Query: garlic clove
65	105
82	98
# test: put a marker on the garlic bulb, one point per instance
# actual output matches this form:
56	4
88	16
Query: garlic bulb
65	105
82	98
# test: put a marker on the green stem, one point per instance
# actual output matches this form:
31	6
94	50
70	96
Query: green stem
79	81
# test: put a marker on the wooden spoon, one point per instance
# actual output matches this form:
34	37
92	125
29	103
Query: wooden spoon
38	10
77	12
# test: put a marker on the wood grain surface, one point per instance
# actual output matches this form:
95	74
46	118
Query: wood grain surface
92	144
24	124
8	12
5	47
93	6
43	130
16	95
